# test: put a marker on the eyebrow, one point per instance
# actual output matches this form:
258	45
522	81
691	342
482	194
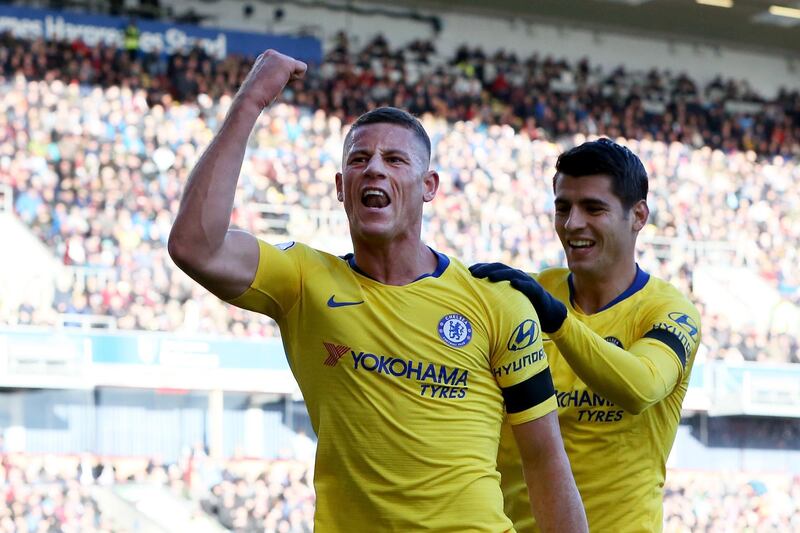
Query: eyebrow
392	151
397	151
583	201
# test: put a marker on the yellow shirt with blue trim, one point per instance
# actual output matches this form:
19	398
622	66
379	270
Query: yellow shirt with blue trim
618	412
405	387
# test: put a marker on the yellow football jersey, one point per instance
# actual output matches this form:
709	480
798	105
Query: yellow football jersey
405	387
618	458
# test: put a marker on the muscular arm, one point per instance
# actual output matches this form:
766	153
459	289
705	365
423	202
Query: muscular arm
555	501
222	260
201	242
634	379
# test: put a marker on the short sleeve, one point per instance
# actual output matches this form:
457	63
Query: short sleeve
518	360
278	280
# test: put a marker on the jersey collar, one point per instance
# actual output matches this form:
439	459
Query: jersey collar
442	262
639	281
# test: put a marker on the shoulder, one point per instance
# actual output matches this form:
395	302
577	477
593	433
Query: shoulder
495	297
660	294
298	251
291	256
460	277
551	278
664	307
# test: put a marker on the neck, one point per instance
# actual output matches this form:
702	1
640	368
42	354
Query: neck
395	263
592	293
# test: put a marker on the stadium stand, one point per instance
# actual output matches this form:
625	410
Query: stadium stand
95	144
53	493
62	149
729	501
47	494
542	95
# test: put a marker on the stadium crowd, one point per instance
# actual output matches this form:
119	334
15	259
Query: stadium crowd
544	96
48	495
96	174
52	494
96	160
730	501
257	496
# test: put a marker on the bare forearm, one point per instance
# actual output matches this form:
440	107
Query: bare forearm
555	501
205	209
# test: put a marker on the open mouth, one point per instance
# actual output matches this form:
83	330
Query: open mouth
374	198
580	244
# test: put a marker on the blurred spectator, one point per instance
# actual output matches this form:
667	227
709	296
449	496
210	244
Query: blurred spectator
52	494
730	501
97	172
46	495
255	496
541	95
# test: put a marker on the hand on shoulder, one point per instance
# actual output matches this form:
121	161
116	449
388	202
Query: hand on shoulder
552	313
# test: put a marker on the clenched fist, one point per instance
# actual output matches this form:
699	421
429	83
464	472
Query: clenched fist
269	75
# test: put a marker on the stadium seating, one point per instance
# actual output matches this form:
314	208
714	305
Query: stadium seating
248	496
704	501
96	171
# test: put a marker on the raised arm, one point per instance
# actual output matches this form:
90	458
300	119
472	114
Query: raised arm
555	501
201	243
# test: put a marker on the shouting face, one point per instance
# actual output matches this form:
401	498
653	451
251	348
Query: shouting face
384	183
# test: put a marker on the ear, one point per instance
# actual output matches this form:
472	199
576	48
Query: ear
430	182
339	187
640	215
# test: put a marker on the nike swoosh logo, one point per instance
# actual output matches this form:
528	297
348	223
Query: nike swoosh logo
334	303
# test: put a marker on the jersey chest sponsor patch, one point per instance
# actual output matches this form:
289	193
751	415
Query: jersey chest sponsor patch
434	380
585	406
